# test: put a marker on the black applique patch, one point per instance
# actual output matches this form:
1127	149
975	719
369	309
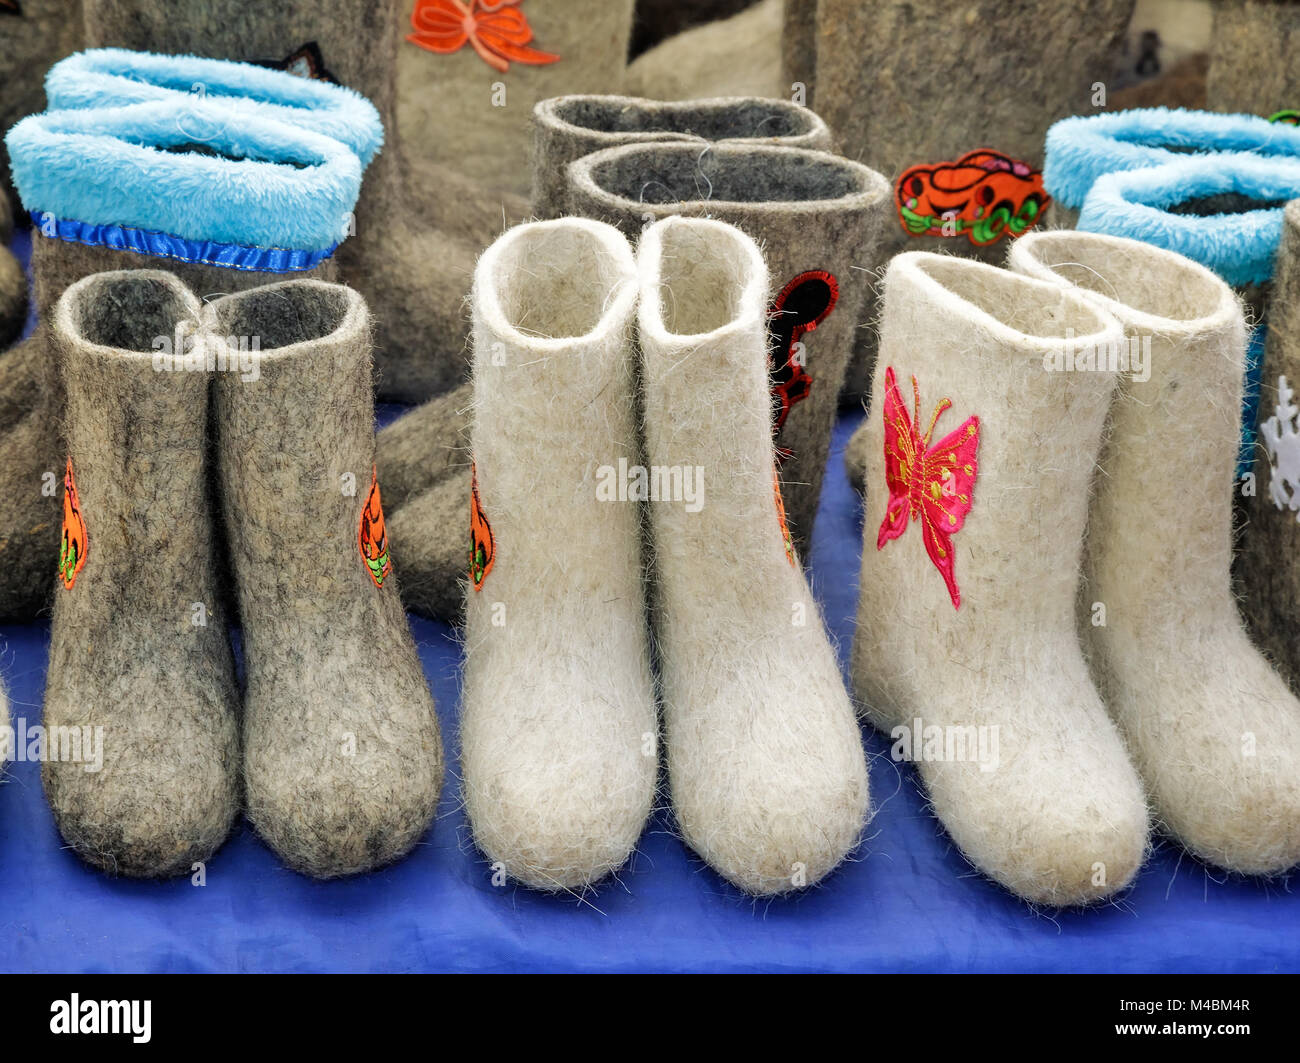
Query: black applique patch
803	304
11	7
306	62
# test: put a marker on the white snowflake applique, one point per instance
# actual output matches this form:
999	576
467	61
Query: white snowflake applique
1282	440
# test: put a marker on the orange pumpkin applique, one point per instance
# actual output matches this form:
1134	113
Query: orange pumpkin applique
372	535
72	550
498	31
482	547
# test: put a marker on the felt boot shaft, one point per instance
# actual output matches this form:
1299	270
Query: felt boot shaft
970	564
415	236
765	757
558	726
343	758
1214	731
1252	57
138	646
818	218
568	127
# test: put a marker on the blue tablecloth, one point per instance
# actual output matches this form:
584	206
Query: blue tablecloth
908	901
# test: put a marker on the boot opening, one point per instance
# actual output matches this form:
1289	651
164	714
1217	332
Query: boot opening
130	312
742	119
557	282
685	172
701	281
1006	298
285	314
1175	291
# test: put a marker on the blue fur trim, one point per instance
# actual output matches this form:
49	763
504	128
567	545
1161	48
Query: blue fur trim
1080	150
113	77
164	245
1238	247
270	185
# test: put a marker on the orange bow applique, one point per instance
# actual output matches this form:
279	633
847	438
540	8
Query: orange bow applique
498	31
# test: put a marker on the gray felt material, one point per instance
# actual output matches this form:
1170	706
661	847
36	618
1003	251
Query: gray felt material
30	43
1253	46
566	128
139	660
343	760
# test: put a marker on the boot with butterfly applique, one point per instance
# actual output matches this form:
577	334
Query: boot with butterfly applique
966	650
765	758
342	754
141	682
558	725
818	218
419	225
1214	730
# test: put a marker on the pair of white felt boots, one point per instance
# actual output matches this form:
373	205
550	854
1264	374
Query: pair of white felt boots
1046	616
574	426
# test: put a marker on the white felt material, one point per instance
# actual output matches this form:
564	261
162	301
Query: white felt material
558	725
765	759
1054	811
1214	730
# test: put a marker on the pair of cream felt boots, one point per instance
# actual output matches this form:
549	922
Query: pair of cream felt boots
659	456
1046	622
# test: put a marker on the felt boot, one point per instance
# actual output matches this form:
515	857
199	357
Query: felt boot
966	648
342	756
951	102
568	127
736	56
1253	44
470	72
1213	729
765	758
172	183
819	219
1270	541
34	34
417	228
558	727
141	677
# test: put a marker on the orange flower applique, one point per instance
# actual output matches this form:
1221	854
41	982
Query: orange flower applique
498	31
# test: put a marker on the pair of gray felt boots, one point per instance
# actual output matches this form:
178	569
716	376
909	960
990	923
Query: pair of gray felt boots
263	399
758	164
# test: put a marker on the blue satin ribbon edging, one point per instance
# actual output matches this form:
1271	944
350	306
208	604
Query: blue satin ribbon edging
164	245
